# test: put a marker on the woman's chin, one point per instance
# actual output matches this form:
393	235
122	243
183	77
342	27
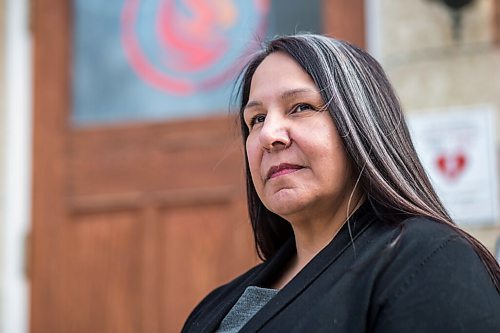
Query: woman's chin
287	208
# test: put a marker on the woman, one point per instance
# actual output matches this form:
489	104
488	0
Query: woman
352	235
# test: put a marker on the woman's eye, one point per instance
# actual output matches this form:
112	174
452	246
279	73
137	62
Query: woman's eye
257	119
302	107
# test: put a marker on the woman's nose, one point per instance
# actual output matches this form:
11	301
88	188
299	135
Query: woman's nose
274	134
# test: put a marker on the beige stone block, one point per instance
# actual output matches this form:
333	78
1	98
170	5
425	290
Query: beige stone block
413	26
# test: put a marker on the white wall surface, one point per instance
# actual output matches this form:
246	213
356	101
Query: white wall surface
15	167
2	140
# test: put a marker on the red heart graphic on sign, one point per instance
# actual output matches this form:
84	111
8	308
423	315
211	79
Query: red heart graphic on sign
451	166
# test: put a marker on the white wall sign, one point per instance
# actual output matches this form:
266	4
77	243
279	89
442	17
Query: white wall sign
457	148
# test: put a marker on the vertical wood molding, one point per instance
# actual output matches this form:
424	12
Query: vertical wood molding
345	20
50	26
151	309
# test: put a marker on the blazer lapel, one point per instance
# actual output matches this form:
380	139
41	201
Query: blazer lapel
360	221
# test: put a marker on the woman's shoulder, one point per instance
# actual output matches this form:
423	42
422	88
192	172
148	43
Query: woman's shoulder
424	242
433	266
433	256
422	237
424	229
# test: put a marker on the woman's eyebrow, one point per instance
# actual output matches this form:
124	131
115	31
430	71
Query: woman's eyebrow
285	95
252	104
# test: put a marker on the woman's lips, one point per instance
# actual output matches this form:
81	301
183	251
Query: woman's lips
282	169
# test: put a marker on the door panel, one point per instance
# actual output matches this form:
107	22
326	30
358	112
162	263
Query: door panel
201	152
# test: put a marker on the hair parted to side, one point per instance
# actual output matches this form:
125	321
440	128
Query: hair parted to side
370	121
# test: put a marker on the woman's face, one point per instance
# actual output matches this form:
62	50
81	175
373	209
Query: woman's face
297	161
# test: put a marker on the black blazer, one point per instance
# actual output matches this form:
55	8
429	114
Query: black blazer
416	276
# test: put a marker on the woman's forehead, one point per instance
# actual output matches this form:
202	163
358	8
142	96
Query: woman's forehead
279	74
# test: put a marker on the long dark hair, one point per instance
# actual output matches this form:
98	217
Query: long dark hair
370	121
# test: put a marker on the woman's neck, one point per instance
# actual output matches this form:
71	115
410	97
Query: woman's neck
311	238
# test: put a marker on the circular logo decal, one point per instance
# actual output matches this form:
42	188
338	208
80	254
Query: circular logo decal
183	46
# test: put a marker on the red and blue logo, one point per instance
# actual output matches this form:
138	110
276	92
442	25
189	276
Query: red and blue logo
185	46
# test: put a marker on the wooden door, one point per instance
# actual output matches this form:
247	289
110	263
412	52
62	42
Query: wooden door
132	224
